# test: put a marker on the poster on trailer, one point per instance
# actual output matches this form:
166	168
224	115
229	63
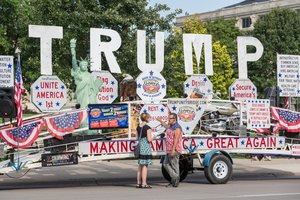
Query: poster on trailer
288	75
107	116
258	113
189	112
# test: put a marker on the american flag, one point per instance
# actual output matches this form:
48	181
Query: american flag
22	137
289	120
58	125
19	89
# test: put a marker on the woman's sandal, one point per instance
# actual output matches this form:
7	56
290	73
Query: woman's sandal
146	187
138	186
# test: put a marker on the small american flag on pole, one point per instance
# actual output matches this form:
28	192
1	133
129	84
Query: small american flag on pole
19	89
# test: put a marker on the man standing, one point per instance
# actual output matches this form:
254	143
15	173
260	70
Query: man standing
173	148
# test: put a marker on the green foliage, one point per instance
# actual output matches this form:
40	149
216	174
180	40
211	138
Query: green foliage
226	32
174	67
223	72
76	17
278	31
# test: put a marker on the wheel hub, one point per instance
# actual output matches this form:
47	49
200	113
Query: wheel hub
220	169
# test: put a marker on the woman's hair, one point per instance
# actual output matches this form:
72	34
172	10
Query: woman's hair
144	117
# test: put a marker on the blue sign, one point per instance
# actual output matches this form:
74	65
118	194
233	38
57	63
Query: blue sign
108	116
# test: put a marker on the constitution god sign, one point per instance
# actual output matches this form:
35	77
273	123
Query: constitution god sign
48	93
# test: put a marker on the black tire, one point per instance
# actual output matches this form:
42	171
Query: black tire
219	170
183	168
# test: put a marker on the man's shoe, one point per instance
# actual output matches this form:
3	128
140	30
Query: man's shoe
173	181
169	185
176	183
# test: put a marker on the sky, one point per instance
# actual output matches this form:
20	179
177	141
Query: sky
195	6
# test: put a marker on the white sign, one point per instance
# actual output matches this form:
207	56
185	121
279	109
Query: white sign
159	51
197	41
156	111
46	33
109	89
151	86
199	84
48	93
242	90
189	112
258	113
288	75
296	149
195	144
244	57
97	47
6	71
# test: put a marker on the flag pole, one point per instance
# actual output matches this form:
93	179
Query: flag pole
18	52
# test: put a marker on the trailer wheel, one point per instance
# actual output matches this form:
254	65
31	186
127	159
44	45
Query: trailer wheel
183	169
219	170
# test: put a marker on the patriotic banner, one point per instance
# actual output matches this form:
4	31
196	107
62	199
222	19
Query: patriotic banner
22	137
188	144
289	120
58	125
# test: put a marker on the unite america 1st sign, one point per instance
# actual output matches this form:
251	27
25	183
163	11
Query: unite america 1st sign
48	93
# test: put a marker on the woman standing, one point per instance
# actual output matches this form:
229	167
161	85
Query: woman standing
145	157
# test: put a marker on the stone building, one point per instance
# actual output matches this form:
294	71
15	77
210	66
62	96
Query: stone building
246	12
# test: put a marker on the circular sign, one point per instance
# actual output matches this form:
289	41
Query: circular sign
156	111
48	93
109	89
151	86
242	90
198	85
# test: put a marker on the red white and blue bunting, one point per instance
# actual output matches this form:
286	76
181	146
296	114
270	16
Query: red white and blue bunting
22	137
59	125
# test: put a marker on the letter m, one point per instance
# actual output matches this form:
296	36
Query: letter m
94	148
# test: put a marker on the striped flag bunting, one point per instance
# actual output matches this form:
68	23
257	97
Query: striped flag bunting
22	137
58	125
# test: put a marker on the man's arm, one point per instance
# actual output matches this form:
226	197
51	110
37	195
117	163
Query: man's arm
163	123
177	134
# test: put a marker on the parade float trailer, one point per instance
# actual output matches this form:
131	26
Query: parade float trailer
213	129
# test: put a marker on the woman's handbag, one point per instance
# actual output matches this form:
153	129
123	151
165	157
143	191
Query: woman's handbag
137	147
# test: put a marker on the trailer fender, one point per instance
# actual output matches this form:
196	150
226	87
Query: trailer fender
211	154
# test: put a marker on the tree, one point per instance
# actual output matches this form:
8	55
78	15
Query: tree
226	32
76	17
278	31
223	73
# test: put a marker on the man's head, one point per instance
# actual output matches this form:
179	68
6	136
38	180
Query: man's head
172	118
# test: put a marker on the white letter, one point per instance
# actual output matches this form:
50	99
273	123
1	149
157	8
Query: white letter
141	51
243	56
97	46
46	33
196	41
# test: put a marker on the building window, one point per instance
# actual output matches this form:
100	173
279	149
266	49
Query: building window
246	22
262	16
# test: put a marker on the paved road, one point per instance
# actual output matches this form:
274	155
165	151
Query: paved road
276	179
